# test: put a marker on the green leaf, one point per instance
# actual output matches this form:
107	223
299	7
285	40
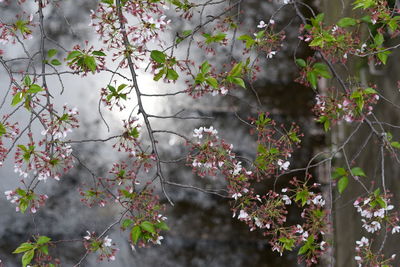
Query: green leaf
135	234
126	223
339	172
302	196
45	249
17	98
159	75
394	144
90	63
158	56
3	129
301	62
312	79
303	249
23	247
74	54
27	80
172	75
346	22
322	69
378	39
121	87
342	184
99	53
112	89
236	70
52	53
55	62
148	226
42	240
383	56
205	67
369	90
238	81
23	205
357	171
27	257
366	19
34	88
212	82
162	225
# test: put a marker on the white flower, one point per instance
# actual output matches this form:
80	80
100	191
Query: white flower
319	201
258	222
286	2
159	238
236	196
283	165
8	194
304	236
88	235
284	190
271	21
224	91
322	244
286	199
198	132
366	201
299	229
261	25
363	242
237	169
396	229
389	207
335	28
380	213
357	258
271	54
243	215
107	241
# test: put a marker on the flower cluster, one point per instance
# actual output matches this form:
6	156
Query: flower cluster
103	246
352	106
366	257
376	211
25	199
58	126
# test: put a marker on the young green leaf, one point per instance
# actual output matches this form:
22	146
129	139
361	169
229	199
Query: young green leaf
346	22
55	62
27	80
172	75
301	62
42	240
99	53
148	226
342	184
34	88
74	54
135	234
357	171
27	257
17	98
158	56
23	247
51	53
3	129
